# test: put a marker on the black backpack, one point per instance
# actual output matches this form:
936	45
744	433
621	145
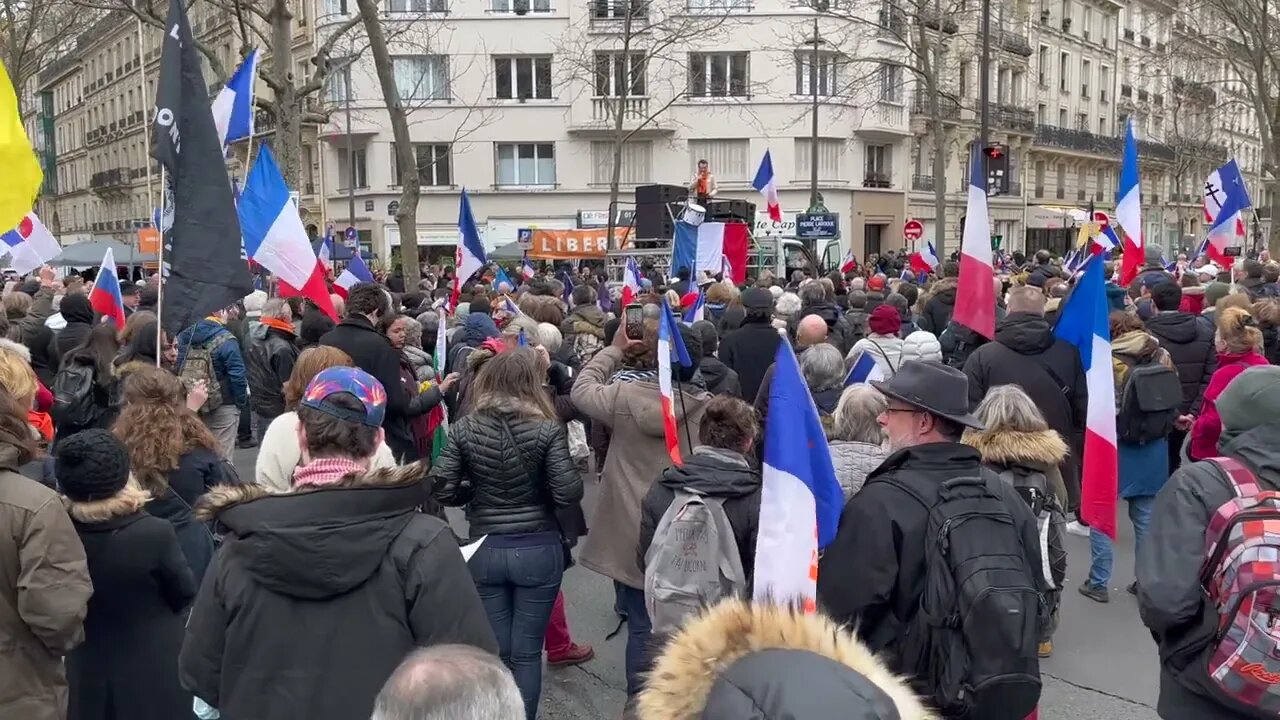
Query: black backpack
974	640
1149	401
1031	485
74	397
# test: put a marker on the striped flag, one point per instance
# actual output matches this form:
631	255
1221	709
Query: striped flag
438	417
1083	323
976	294
1129	208
526	269
850	262
669	343
470	253
767	185
698	311
865	369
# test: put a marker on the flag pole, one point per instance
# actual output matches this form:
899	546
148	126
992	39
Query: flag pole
160	269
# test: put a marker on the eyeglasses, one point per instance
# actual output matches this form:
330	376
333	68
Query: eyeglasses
889	410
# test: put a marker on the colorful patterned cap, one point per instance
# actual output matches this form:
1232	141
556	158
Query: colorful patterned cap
353	381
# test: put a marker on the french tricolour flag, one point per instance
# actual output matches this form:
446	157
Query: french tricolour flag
500	276
865	369
1129	208
630	282
767	184
470	255
669	343
325	253
30	245
105	297
706	247
976	294
850	262
355	272
698	311
274	236
1083	323
925	259
800	500
1225	200
526	269
233	107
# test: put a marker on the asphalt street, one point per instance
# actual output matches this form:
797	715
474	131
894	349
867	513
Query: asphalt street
1104	665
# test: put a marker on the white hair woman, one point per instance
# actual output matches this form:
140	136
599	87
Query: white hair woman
823	371
1018	444
856	438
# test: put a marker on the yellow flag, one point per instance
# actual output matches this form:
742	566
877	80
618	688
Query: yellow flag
22	171
1088	231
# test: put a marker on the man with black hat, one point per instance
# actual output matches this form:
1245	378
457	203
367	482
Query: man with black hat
883	559
1172	597
750	349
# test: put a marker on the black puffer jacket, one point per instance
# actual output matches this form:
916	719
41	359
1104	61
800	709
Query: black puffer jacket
1190	345
939	309
715	473
507	489
272	352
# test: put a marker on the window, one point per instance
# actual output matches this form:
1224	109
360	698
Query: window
421	77
526	163
1082	122
524	76
361	168
1015	87
1064	71
830	152
719	4
830	70
718	74
729	159
890	83
1086	75
335	7
637	162
1042	65
1062	181
415	6
338	85
1062	117
964	78
1102	126
433	165
617	9
1104	82
615	72
879	166
1041	114
520	7
1102	181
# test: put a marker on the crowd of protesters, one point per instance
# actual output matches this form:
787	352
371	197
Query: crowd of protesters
142	577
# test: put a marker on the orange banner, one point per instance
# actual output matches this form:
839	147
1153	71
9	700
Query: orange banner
574	244
149	240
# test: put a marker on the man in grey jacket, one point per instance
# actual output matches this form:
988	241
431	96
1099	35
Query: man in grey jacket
1170	595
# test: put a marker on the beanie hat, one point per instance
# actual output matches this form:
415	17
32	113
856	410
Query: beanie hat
876	283
91	465
885	320
1250	400
1215	291
757	299
688	300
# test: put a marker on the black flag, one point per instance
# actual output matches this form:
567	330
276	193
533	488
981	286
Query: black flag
203	270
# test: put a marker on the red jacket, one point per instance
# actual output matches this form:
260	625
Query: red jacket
1208	426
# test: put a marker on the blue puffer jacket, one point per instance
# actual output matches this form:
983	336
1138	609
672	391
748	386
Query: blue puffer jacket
228	363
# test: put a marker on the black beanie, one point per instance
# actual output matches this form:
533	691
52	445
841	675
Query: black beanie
91	465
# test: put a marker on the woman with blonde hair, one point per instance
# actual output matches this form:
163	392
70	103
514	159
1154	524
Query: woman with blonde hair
280	452
1019	445
174	457
1239	343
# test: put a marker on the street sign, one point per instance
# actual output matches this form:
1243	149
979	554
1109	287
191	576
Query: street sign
352	237
524	238
1101	219
818	226
913	230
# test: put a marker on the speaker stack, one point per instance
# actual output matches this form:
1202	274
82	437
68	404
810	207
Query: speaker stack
731	211
653	219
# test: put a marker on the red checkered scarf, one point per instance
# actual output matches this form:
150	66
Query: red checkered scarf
327	471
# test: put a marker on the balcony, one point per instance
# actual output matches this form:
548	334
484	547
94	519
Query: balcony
936	21
604	111
1011	42
1077	140
1156	151
1008	117
922	183
887	116
1195	91
109	181
949	107
876	180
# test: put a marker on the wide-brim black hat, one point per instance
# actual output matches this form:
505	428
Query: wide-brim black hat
933	387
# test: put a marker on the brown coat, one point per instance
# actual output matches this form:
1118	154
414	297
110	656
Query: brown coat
44	596
637	456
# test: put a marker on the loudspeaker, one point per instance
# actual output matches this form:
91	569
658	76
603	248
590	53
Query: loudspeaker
731	211
654	222
660	194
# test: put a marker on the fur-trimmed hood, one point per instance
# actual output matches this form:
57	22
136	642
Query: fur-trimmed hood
16	348
128	501
1009	447
740	660
316	542
507	405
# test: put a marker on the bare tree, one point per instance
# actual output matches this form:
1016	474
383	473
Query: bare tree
35	35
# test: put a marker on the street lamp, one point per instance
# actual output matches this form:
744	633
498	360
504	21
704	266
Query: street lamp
820	6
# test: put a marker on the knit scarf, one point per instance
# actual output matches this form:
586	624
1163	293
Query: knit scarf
279	324
327	471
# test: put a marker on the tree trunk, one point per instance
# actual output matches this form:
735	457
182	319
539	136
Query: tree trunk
619	138
288	136
929	66
407	215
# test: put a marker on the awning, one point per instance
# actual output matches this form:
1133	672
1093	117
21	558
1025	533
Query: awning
89	254
1055	217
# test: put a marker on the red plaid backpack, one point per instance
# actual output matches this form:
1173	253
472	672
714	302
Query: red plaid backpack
1241	576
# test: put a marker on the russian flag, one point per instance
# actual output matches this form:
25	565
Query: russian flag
976	294
850	262
470	255
698	311
925	259
1129	208
865	369
355	272
1083	323
233	109
630	282
706	247
766	183
800	499
500	276
669	343
30	245
526	269
274	236
105	297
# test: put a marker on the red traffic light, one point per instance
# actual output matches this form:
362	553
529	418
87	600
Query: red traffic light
995	152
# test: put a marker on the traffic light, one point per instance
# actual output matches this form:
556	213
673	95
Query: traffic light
997	159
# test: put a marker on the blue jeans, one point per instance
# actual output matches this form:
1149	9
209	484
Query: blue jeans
518	587
1100	545
639	636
